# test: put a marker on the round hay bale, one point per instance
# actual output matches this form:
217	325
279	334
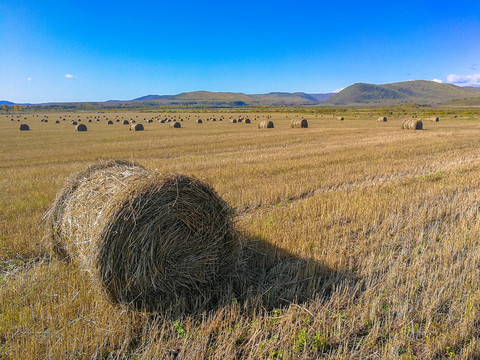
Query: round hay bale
136	127
247	121
175	125
382	119
57	122
147	240
89	120
109	122
81	127
233	121
434	119
340	118
74	123
125	122
410	124
199	121
24	127
299	123
265	124
149	121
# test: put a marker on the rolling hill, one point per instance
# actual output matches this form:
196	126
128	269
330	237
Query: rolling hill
229	98
407	92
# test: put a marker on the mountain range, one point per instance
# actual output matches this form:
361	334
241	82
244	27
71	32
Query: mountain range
420	92
360	94
406	92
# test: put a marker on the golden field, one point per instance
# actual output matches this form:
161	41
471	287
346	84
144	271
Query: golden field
373	233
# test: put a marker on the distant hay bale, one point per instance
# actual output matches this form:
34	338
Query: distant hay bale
233	121
299	123
125	122
199	121
147	240
81	127
265	124
24	127
136	127
340	118
74	123
89	120
434	119
175	125
382	119
57	122
149	120
412	124
247	121
109	122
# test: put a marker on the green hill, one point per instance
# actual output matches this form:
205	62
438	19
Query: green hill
229	98
407	92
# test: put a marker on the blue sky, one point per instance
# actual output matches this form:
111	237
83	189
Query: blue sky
55	50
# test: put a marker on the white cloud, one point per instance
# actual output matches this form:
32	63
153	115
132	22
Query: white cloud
29	79
464	80
438	81
70	76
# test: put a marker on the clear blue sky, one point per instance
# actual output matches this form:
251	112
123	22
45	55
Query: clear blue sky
53	50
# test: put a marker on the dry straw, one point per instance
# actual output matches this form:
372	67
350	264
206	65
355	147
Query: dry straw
299	123
148	240
136	127
412	124
265	124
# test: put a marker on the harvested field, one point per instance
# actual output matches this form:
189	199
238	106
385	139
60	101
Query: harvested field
357	241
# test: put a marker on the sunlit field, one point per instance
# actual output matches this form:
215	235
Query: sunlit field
369	237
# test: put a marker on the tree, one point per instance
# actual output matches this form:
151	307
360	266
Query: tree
5	107
16	107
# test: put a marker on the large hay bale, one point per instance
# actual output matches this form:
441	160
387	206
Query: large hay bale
412	124
175	124
265	124
147	240
125	122
199	121
109	122
81	127
136	127
382	119
24	127
299	123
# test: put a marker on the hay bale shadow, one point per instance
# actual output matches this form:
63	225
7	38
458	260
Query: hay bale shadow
269	277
